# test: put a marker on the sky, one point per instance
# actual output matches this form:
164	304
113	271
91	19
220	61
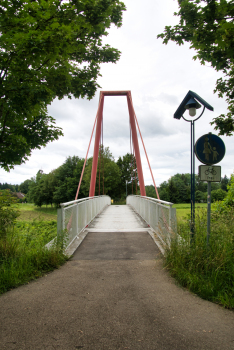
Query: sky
159	76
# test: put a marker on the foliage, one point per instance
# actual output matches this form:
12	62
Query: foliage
23	256
48	49
206	271
209	27
6	186
150	191
218	195
112	174
8	214
229	198
177	189
65	181
128	169
24	186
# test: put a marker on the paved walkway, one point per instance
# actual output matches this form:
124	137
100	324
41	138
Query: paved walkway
113	294
118	218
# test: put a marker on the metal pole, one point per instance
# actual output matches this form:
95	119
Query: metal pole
126	188
208	211
192	190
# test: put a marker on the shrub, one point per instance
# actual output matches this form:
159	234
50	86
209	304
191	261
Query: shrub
206	270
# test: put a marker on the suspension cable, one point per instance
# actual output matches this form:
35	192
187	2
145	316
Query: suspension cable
81	177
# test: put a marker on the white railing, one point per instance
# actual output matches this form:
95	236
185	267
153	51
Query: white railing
158	214
74	216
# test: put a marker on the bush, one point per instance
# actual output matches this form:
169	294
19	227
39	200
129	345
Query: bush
23	255
206	270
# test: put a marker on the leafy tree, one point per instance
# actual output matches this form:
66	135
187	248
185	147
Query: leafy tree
229	199
200	196
128	169
24	186
36	193
66	179
48	49
173	192
224	183
112	175
164	195
150	191
218	195
209	27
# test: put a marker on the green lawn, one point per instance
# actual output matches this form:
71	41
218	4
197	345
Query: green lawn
29	212
183	210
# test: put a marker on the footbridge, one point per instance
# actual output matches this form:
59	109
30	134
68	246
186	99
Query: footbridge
140	215
95	213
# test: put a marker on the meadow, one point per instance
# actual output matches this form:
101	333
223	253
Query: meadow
23	255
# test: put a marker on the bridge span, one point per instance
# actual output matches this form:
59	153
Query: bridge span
96	214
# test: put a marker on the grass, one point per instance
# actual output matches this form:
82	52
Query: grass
23	256
29	212
205	270
184	209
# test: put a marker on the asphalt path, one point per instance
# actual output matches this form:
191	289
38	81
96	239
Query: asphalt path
113	294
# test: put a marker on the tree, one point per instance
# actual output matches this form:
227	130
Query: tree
208	26
112	175
218	195
173	192
128	169
48	49
224	183
150	191
67	177
24	186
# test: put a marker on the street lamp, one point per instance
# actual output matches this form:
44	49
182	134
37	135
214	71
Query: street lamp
191	103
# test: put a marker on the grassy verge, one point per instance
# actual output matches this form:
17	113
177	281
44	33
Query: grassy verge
184	209
23	256
206	270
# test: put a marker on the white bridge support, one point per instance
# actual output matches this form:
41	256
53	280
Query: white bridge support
158	214
74	216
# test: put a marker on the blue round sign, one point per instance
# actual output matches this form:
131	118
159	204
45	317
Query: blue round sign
210	149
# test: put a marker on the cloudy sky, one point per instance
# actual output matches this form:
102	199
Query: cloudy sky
159	76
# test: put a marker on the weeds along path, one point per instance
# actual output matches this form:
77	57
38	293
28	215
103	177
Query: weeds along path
104	301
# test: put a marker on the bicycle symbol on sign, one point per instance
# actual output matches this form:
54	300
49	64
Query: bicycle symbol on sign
210	171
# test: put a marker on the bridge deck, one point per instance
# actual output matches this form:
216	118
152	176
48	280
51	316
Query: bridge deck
118	218
118	233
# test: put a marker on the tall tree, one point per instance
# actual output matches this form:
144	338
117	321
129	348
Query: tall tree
112	174
208	26
128	169
48	49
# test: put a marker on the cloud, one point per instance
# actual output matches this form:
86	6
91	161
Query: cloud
159	76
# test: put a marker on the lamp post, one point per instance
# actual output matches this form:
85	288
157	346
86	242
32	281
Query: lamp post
190	103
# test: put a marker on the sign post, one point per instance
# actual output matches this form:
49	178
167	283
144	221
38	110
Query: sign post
210	150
